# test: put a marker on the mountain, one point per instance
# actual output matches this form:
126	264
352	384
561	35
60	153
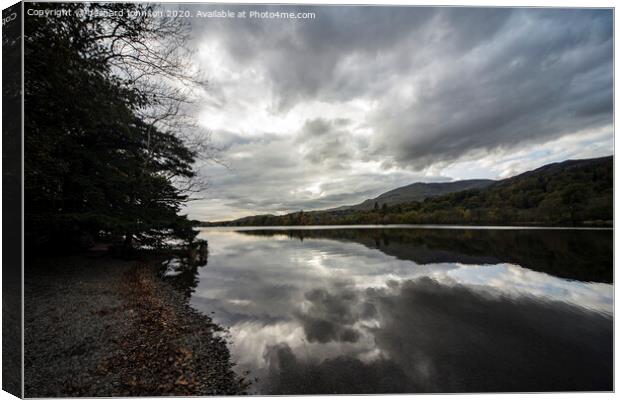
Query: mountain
569	193
418	192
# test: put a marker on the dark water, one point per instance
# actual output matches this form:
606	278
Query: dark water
412	310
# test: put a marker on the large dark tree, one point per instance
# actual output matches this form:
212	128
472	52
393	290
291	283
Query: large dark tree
106	150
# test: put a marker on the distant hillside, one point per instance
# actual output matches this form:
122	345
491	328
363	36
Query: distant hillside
418	192
570	193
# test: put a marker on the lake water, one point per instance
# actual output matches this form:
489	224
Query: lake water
403	310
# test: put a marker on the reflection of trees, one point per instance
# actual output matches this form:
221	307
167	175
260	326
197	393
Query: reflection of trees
187	278
448	338
573	254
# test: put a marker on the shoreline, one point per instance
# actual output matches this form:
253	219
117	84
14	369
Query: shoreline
99	326
402	226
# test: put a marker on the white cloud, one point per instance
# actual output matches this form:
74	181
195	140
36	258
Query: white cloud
428	94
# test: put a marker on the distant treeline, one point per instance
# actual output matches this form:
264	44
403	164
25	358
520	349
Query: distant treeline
572	193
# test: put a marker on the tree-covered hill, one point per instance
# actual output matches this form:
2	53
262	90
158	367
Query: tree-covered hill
418	192
570	193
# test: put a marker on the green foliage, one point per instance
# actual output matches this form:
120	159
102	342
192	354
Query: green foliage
94	167
573	193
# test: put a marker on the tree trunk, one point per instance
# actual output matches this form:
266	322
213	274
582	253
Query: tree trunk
128	243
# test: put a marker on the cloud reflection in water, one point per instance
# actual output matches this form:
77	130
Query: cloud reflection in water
339	316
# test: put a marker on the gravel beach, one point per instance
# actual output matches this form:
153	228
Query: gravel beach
98	326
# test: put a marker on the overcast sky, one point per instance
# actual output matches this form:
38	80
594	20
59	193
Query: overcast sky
323	112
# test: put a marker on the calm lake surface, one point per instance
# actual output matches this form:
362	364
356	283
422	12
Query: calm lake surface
376	310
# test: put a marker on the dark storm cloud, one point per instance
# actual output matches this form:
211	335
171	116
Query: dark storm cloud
551	80
308	58
480	78
319	112
328	142
301	58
